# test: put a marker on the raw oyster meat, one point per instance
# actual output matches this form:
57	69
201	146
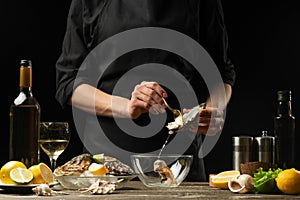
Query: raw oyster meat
189	120
76	166
241	184
164	171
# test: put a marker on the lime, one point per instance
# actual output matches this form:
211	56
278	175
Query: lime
98	158
21	175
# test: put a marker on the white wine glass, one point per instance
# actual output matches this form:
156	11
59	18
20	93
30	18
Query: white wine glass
54	138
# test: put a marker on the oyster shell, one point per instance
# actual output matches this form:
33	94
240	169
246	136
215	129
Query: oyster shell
79	165
241	184
76	166
101	187
189	120
116	167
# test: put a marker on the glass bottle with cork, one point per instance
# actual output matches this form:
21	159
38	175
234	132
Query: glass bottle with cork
284	130
24	121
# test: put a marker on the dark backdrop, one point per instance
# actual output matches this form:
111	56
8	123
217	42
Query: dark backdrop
264	46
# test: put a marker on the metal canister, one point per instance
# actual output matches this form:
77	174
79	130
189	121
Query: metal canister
242	150
265	148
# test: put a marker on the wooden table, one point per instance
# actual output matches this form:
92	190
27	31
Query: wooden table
136	190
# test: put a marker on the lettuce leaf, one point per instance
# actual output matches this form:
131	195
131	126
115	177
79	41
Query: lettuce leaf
264	181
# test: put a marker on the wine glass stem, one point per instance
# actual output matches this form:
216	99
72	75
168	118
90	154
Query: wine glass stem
53	163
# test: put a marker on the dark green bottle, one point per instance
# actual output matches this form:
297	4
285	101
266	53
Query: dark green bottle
284	130
25	121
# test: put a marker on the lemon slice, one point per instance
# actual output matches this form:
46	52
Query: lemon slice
97	169
21	175
221	180
98	158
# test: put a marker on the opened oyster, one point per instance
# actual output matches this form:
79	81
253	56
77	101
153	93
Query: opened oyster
189	121
80	164
76	166
241	184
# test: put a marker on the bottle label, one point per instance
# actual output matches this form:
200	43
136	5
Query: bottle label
25	77
20	99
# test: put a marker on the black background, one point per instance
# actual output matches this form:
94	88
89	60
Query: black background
263	44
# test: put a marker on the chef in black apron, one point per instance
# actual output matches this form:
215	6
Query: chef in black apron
92	23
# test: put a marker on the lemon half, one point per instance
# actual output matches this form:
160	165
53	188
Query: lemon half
41	174
221	179
6	168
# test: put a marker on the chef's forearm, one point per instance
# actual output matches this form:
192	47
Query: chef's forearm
217	98
93	100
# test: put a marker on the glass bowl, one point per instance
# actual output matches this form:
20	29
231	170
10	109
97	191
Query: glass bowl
77	182
163	172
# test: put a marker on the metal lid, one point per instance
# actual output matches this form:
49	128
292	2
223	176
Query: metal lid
284	95
242	140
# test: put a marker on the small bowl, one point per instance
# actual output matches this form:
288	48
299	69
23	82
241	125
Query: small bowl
149	170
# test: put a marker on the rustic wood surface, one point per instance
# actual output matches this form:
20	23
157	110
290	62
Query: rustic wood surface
134	190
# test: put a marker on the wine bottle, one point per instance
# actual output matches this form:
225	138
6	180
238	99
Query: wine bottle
25	121
284	131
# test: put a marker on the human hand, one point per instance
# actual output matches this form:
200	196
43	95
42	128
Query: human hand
210	122
146	97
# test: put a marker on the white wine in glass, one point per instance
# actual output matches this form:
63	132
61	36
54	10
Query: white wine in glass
54	138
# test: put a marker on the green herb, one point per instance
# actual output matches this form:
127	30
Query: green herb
264	181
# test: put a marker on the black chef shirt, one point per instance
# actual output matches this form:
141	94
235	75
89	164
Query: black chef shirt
90	22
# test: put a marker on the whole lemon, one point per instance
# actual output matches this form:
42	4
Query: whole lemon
288	181
6	168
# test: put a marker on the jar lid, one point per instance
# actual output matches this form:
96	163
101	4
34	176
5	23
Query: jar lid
284	95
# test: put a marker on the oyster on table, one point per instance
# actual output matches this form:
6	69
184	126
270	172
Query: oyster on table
241	184
101	187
